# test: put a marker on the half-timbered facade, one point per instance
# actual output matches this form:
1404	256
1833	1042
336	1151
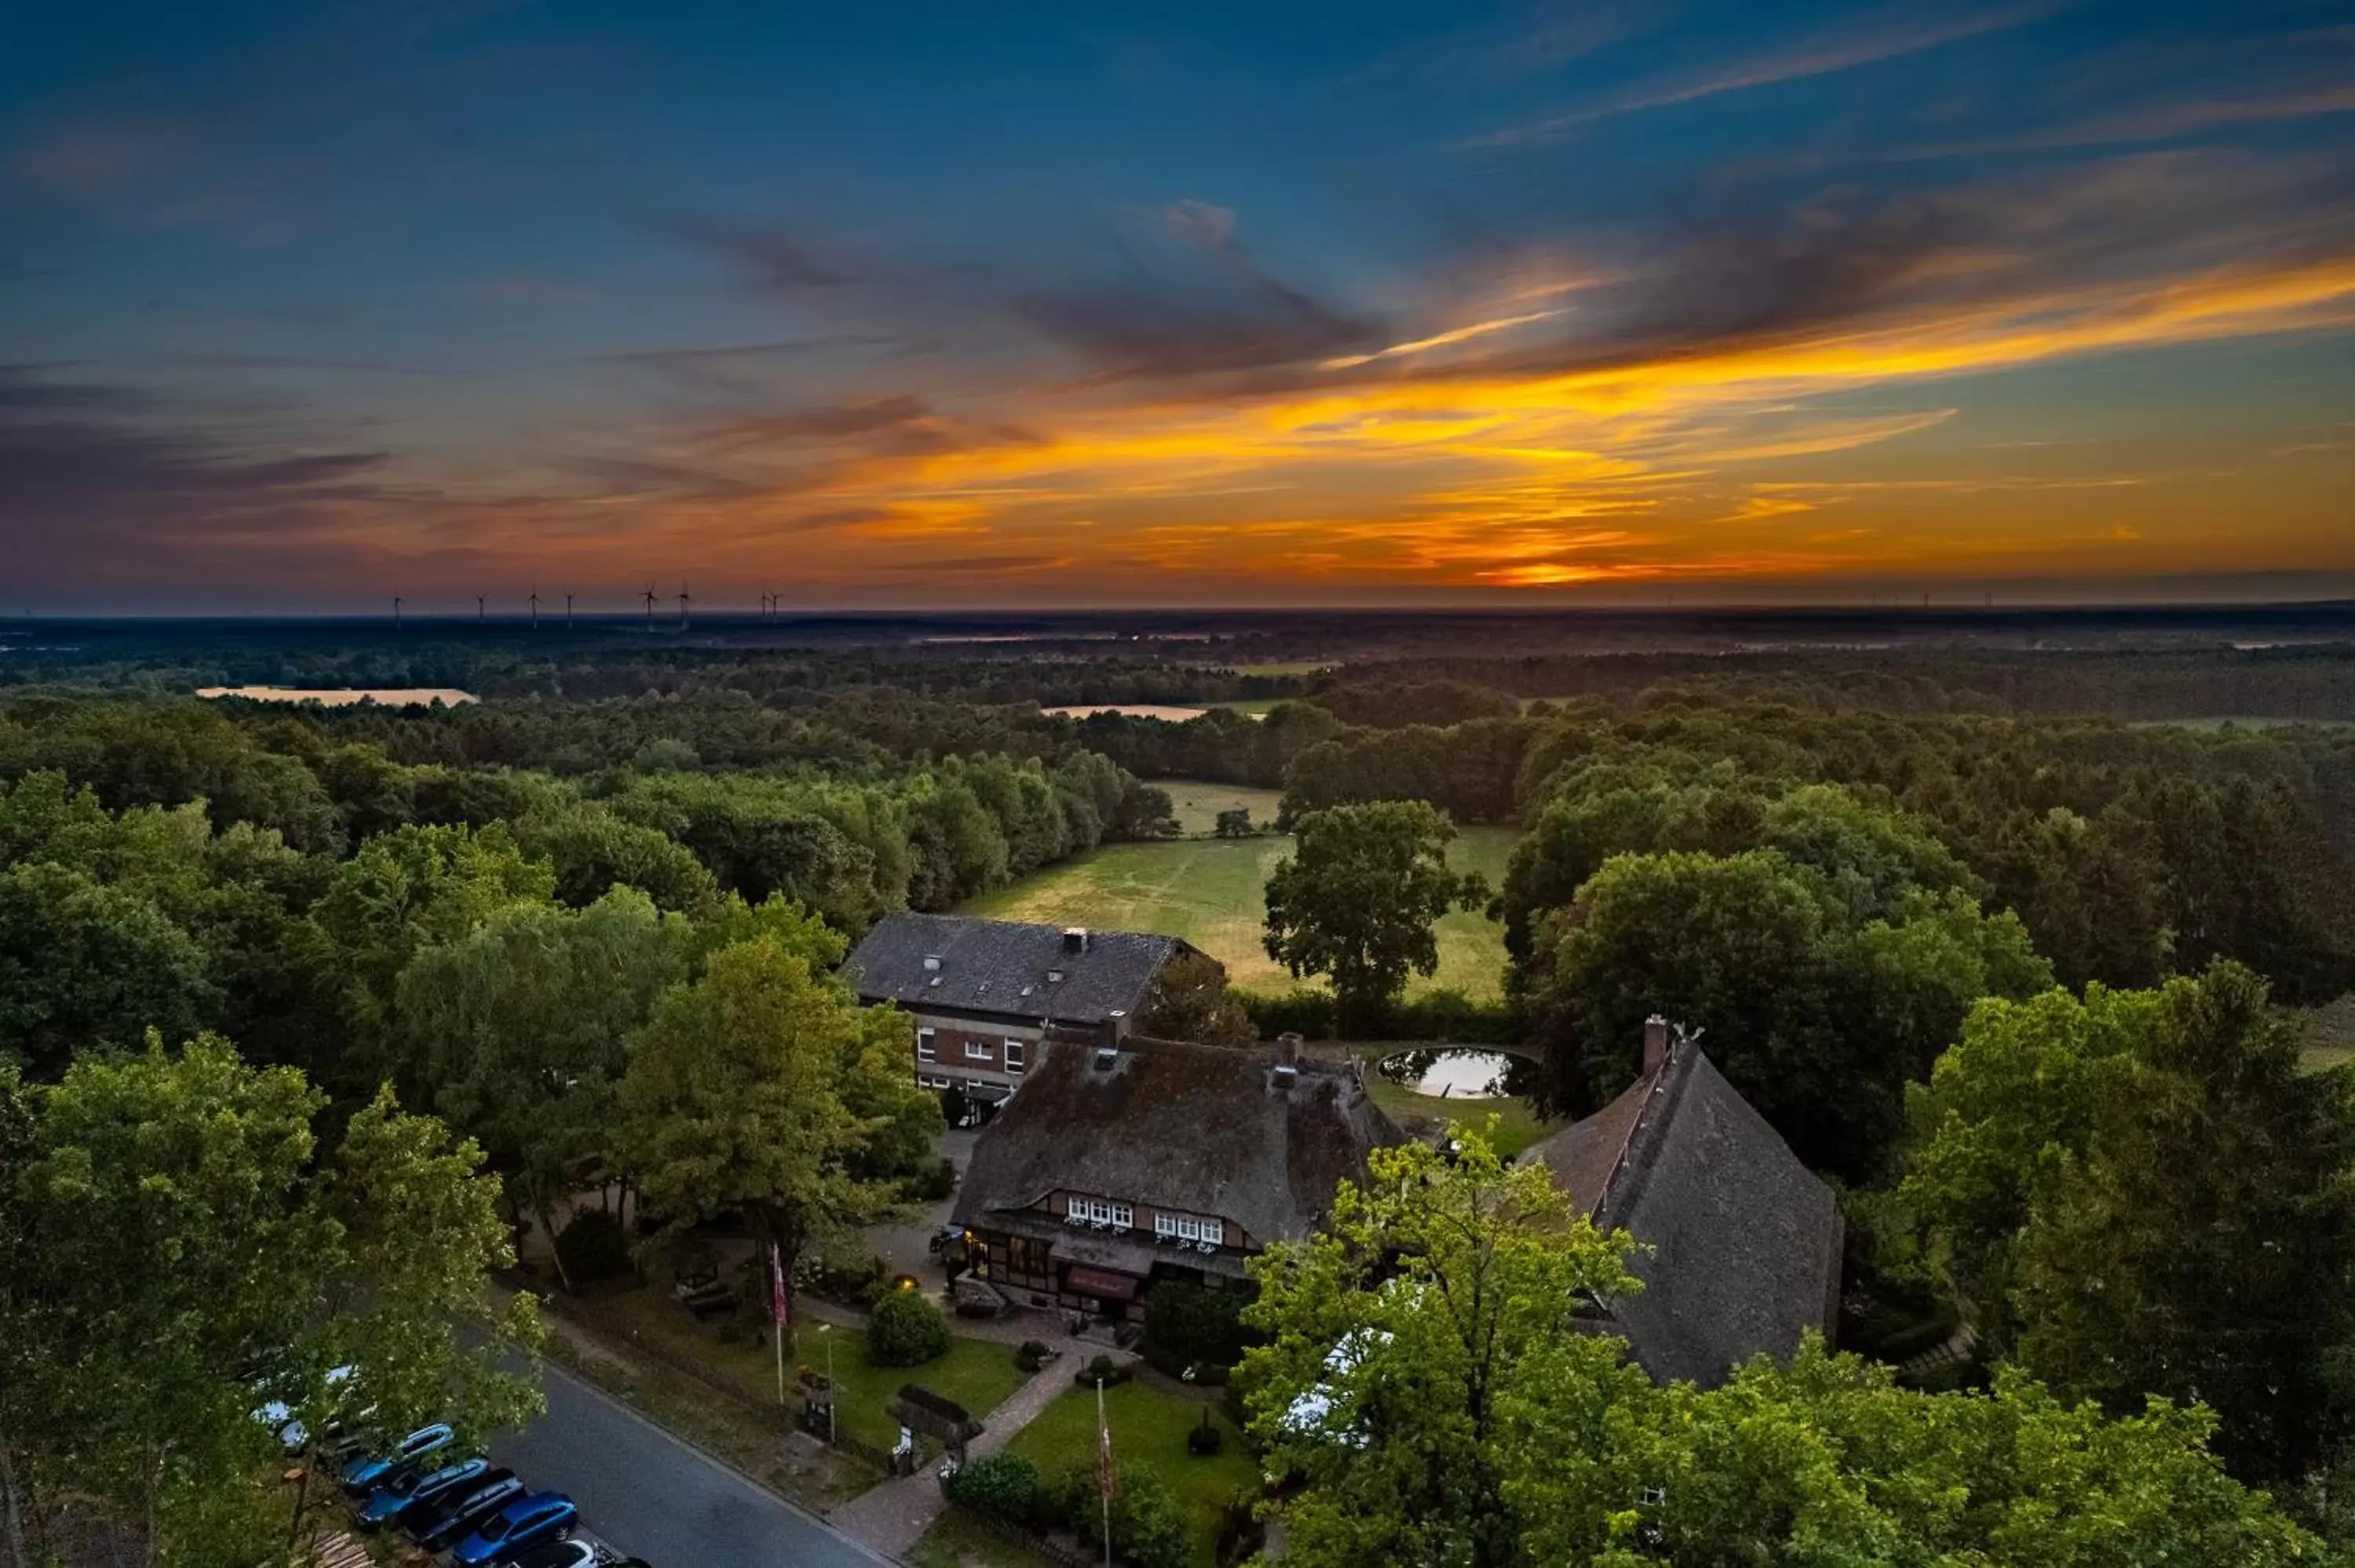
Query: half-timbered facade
1120	1164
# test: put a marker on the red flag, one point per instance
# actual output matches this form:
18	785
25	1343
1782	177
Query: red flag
777	1313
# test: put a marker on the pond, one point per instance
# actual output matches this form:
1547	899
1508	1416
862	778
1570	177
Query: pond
1459	1073
343	696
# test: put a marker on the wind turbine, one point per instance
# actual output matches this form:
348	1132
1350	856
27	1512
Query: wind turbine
683	602
535	607
567	611
396	610
650	607
479	610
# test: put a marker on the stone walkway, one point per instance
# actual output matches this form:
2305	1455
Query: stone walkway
892	1517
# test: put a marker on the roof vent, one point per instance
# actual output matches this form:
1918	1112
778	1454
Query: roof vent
932	962
1286	1075
1054	977
1106	1059
1075	939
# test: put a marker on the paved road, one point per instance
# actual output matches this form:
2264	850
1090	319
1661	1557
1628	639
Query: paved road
649	1494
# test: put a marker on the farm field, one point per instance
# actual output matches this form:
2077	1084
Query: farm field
1213	894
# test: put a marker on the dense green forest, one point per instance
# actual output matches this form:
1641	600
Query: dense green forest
2024	977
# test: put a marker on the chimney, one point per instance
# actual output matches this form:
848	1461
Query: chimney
1656	1044
1287	1048
1075	939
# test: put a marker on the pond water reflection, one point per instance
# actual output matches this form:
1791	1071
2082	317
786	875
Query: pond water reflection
1459	1073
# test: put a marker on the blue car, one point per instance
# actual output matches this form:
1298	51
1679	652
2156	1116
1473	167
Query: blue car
459	1517
386	1503
368	1470
528	1520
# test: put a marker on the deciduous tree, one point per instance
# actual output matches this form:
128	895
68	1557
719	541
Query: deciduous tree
1357	900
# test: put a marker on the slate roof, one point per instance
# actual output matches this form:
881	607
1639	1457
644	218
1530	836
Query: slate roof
1001	966
1208	1129
1744	1241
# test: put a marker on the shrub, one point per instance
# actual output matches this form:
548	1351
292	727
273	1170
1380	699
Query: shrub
1069	1501
906	1331
593	1247
1149	1527
1205	1439
1240	1535
1033	1355
1104	1370
1192	1326
934	1180
1003	1486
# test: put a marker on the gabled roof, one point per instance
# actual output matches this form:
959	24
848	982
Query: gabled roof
1744	1240
1001	966
1209	1129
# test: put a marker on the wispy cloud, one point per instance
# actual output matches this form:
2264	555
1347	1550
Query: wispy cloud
1890	34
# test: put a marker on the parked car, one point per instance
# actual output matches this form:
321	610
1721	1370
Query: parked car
527	1521
364	1473
387	1503
556	1555
455	1520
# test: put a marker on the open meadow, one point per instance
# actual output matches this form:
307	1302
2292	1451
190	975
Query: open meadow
1213	893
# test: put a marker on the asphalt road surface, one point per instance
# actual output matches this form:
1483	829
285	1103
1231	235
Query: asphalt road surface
650	1494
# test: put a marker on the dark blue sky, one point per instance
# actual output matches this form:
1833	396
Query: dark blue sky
303	305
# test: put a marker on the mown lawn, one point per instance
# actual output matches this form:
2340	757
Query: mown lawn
1147	1426
2330	1037
1517	1124
977	1373
1198	803
1213	893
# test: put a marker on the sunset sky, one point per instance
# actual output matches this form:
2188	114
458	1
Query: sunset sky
305	305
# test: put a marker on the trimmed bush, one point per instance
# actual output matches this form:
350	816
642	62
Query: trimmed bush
1033	1355
1148	1526
1111	1374
906	1331
1003	1486
594	1246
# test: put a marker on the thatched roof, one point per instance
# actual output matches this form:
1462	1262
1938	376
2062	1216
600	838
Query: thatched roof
1208	1129
1006	967
1744	1240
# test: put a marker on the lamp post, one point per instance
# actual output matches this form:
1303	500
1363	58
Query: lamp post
832	1393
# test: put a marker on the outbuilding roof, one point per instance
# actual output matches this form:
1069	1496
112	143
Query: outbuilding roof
1212	1130
959	964
1741	1242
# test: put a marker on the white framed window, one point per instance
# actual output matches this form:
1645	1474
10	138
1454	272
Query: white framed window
979	1051
1104	1212
925	1050
1014	1055
1190	1228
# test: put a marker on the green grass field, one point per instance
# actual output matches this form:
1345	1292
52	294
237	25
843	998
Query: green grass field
1213	894
2330	1037
1198	804
1147	1427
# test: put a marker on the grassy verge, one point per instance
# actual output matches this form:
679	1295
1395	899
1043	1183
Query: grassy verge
956	1541
1213	893
752	1442
977	1373
1148	1425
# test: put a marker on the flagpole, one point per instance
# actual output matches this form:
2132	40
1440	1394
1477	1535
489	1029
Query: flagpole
1103	1469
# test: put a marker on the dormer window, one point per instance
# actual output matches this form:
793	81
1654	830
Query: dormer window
1101	1212
1190	1229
